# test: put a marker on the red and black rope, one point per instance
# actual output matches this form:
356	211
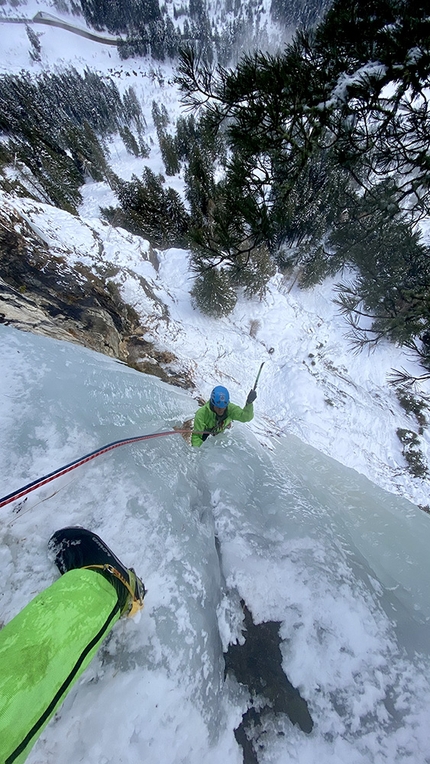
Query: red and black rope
83	460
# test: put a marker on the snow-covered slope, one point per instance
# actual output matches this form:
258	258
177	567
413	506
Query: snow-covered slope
312	385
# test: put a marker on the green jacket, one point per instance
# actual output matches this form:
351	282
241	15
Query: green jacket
206	419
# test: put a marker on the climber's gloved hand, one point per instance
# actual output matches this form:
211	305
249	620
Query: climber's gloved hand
251	396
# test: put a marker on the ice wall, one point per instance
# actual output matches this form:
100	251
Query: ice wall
340	563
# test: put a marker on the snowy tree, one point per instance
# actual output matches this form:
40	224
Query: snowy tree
35	52
312	133
213	294
149	209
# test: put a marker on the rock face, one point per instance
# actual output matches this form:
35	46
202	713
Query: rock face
257	664
42	293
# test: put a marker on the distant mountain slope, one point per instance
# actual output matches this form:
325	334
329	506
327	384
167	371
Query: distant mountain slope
223	29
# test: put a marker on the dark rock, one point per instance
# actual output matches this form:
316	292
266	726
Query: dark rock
257	664
40	292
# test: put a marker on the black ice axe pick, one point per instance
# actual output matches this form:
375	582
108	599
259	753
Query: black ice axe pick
258	376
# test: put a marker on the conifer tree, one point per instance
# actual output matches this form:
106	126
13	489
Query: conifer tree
54	125
168	154
129	140
150	210
212	293
314	135
35	52
392	285
253	271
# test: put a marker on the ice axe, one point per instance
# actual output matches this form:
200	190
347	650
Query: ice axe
258	376
252	394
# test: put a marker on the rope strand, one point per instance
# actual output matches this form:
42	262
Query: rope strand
26	489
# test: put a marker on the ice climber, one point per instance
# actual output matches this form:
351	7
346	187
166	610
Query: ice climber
218	413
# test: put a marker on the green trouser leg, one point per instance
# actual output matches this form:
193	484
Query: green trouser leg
44	650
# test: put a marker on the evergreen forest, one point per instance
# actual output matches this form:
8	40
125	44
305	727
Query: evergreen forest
312	161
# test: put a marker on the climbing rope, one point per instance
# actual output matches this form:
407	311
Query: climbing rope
26	489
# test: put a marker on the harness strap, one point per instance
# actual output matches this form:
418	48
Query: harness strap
137	603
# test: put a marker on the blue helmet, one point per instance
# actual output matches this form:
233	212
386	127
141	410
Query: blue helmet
220	397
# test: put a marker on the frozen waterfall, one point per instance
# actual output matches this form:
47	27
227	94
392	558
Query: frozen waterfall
341	564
